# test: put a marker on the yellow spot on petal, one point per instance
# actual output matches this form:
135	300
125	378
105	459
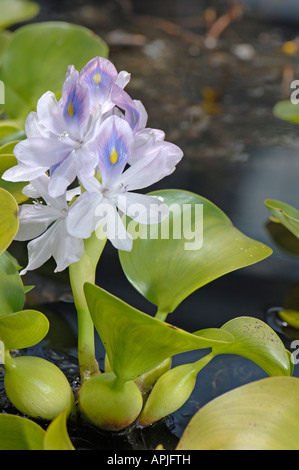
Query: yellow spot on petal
70	109
289	48
97	78
113	156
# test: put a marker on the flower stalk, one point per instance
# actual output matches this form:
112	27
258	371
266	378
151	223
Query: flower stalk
80	272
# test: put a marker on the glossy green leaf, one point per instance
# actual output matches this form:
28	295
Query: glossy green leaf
23	329
285	214
136	342
262	415
28	75
291	317
5	37
16	11
18	433
256	341
287	111
9	222
56	437
10	131
12	295
8	149
165	272
15	189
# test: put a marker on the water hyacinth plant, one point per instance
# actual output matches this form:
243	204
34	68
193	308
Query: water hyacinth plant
82	163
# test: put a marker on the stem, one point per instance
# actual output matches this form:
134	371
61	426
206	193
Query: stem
8	360
160	315
201	363
81	272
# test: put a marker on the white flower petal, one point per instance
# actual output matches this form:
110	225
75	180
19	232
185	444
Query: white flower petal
152	168
39	250
123	79
23	172
34	128
142	208
49	113
71	193
40	152
62	177
81	220
34	220
115	230
143	116
65	248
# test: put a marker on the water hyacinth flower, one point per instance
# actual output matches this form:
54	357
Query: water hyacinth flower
45	226
114	146
95	135
59	132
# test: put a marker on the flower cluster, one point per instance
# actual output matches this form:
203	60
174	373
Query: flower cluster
88	151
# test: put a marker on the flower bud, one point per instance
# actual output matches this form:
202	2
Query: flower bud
169	393
108	403
37	388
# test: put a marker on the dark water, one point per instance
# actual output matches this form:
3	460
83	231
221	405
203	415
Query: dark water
216	104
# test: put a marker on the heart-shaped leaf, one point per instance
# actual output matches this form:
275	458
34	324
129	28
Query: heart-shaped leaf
36	60
9	222
291	317
12	295
56	437
262	415
167	270
5	37
23	329
287	215
136	342
256	341
16	11
11	131
287	111
18	433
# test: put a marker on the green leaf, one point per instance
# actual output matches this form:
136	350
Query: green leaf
5	37
16	11
18	433
287	111
56	437
165	272
9	222
287	215
291	317
26	73
136	342
12	295
262	415
23	329
8	149
256	341
10	131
